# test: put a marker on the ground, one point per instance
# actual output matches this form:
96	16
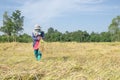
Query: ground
60	61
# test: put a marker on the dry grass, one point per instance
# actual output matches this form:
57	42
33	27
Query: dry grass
60	61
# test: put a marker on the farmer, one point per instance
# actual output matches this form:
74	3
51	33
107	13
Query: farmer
37	35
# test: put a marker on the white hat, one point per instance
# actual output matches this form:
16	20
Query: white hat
37	26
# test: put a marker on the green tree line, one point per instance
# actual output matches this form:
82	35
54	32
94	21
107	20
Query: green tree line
76	36
13	27
112	35
21	38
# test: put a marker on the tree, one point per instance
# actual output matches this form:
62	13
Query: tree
17	20
77	36
12	25
53	35
24	38
105	37
7	27
114	29
94	37
50	30
49	33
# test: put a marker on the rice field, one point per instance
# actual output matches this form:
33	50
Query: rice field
60	61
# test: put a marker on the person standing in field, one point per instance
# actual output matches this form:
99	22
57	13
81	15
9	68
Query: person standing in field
37	35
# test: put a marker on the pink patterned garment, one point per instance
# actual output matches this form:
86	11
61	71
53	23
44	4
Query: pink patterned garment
37	43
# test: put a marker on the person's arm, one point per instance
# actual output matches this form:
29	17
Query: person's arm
34	37
42	35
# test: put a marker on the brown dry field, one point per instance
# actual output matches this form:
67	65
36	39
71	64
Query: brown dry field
60	61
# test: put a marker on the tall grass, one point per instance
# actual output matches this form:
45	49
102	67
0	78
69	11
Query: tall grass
60	61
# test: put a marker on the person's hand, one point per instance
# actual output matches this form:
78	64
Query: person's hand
38	37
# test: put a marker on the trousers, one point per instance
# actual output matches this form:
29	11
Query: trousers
37	54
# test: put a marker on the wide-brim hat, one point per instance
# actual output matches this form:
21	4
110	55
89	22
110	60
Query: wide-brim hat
37	26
